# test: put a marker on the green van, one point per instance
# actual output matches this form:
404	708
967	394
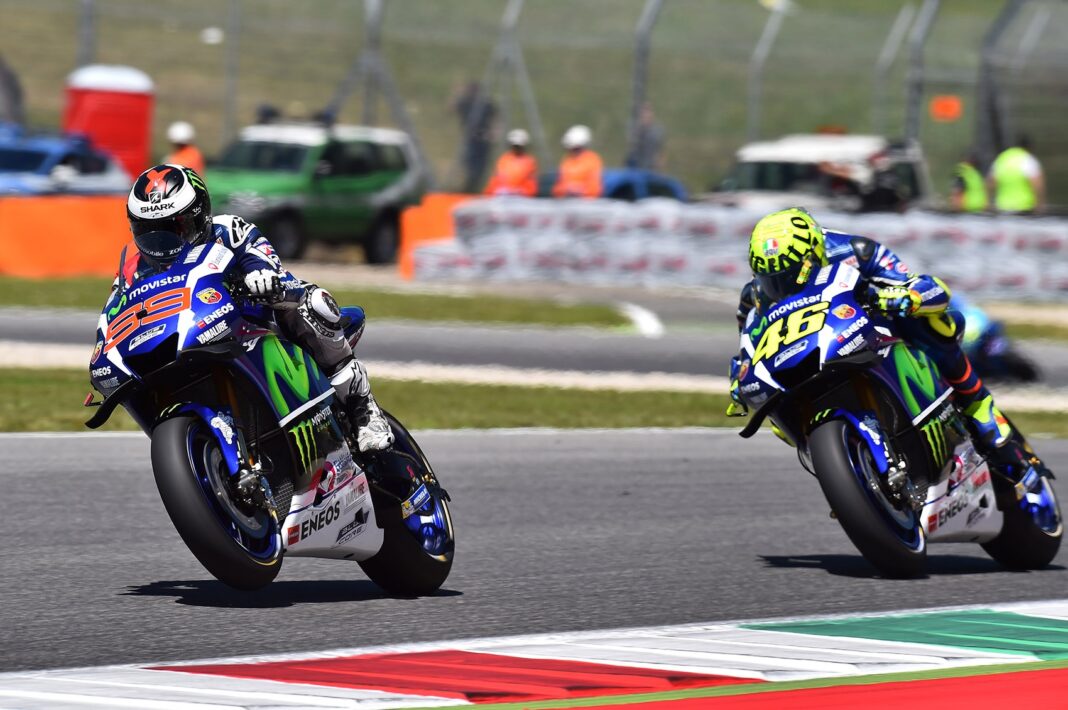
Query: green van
304	182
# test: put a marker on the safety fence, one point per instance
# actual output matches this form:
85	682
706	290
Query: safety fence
666	243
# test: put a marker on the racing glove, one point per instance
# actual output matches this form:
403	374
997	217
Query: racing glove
263	282
897	301
736	407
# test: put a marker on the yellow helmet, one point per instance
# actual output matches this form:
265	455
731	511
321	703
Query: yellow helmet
783	249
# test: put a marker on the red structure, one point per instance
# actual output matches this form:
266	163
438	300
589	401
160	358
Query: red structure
113	106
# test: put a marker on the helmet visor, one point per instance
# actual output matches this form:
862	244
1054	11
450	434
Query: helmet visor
160	248
780	284
161	240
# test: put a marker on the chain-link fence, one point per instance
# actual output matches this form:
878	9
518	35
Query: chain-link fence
215	62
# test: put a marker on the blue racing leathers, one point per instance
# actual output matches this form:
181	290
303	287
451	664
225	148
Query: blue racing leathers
918	303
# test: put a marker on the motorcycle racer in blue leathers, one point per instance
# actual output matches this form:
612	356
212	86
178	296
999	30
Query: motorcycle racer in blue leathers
169	208
786	246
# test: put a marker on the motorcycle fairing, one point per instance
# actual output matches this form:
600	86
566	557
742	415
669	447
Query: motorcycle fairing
963	507
868	429
221	425
334	517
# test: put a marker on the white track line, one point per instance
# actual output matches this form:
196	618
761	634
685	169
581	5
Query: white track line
722	648
645	321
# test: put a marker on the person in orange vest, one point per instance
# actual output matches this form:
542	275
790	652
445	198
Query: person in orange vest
517	170
185	153
580	170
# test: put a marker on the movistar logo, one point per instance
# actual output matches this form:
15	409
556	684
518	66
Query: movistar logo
114	310
279	364
304	438
914	371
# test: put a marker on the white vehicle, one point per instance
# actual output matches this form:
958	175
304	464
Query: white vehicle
850	173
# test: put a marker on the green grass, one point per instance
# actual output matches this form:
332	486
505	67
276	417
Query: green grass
1035	331
50	400
89	292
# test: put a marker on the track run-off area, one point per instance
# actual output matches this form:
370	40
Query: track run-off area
564	538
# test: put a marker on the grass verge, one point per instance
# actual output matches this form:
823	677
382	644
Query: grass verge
1035	331
89	292
50	400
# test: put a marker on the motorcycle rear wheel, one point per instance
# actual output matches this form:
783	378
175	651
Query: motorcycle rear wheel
410	562
237	548
887	533
1023	544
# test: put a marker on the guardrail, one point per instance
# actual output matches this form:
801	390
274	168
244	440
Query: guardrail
662	242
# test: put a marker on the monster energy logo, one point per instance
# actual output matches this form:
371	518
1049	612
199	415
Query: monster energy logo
195	179
935	431
304	438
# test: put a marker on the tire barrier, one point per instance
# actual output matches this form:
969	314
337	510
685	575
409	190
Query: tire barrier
660	242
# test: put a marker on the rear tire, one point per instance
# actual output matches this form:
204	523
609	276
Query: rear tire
403	566
889	537
181	456
1022	544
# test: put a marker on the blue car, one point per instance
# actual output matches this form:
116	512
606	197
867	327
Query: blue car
40	164
629	184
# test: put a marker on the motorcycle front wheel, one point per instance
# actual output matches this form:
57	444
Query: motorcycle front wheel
886	531
241	548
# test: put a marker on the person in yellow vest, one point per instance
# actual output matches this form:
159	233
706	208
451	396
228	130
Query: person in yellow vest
969	189
1016	181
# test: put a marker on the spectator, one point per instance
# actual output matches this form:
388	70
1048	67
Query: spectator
517	170
968	193
477	114
184	151
648	148
1016	181
11	100
580	169
266	113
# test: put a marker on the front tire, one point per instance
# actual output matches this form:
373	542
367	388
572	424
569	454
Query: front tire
888	535
239	549
414	559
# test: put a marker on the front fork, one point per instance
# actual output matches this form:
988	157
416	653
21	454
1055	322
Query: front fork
248	483
891	465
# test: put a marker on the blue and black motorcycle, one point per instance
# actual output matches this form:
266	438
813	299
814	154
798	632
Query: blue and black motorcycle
875	422
252	457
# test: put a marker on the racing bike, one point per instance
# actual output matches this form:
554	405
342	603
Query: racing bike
875	422
252	455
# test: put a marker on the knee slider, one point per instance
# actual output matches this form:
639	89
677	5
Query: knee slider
321	311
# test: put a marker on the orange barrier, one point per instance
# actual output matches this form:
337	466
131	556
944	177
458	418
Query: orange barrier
430	221
62	235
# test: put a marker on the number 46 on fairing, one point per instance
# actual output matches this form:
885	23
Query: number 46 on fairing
802	322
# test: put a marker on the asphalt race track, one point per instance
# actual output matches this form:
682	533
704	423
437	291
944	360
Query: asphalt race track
693	352
557	531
